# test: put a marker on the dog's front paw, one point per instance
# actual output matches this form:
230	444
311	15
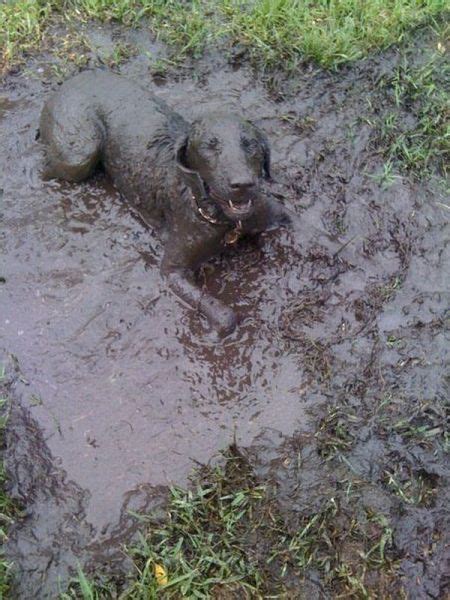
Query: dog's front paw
222	318
225	322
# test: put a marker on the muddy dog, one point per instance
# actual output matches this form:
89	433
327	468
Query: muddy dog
200	181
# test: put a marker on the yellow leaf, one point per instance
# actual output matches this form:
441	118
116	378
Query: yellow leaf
160	575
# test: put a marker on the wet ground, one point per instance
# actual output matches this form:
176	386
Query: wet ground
117	389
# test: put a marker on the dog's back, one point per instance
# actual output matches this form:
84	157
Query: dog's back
101	118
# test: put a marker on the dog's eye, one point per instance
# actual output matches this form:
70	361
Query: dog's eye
250	145
212	143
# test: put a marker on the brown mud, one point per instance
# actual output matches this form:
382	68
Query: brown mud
118	390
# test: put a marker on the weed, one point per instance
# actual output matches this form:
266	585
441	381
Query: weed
301	124
386	177
120	53
334	435
388	291
71	49
82	588
412	488
393	342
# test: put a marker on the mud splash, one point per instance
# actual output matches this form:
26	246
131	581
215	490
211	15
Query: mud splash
121	390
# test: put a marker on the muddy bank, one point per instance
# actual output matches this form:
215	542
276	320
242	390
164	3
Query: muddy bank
118	390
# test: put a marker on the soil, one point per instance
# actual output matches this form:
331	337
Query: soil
118	390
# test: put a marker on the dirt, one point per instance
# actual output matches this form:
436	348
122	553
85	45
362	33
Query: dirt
118	390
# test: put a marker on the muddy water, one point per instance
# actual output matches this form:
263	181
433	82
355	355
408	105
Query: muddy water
119	389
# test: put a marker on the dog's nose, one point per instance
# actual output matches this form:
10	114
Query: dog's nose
241	183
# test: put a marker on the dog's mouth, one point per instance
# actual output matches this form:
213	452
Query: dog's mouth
236	209
235	205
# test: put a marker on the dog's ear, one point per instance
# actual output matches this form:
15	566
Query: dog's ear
264	143
180	152
189	176
266	153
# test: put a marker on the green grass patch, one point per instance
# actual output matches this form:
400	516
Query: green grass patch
329	32
415	131
7	508
22	25
226	538
275	32
6	512
184	26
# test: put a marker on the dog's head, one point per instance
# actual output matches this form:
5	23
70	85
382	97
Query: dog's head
225	157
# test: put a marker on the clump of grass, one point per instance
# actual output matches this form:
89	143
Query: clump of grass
416	489
203	545
423	425
22	25
336	432
7	508
184	26
415	131
227	538
83	588
128	12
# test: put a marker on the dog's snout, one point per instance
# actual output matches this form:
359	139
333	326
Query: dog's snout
242	183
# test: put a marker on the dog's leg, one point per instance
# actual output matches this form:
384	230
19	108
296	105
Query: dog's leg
221	317
73	139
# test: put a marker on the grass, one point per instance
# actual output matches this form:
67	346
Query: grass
7	508
274	32
227	538
410	488
22	25
335	434
415	129
329	32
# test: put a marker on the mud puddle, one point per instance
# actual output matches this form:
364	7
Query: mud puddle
119	390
